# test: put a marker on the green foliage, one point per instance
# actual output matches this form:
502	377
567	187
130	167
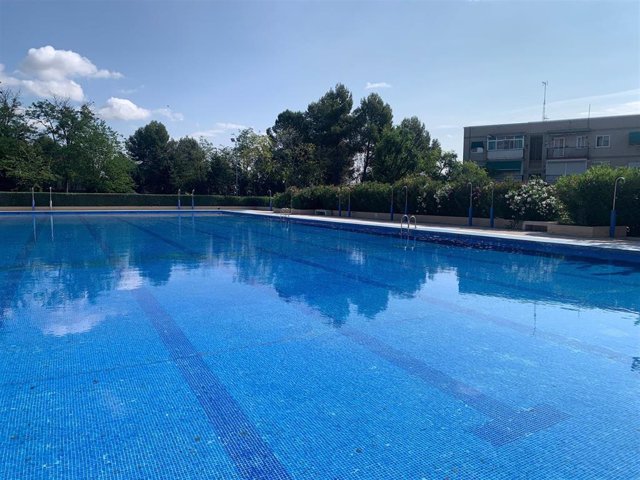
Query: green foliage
535	200
370	120
588	197
23	199
149	149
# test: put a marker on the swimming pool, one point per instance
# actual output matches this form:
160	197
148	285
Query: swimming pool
222	346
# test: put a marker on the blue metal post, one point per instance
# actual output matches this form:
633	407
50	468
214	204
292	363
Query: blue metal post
612	220
349	205
391	212
270	201
339	204
50	200
193	199
33	200
179	205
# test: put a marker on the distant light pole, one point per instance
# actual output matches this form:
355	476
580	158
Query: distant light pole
470	219
612	220
491	218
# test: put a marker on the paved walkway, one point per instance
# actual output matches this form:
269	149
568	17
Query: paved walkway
629	244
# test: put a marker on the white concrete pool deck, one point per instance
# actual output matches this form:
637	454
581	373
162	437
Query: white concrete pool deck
629	244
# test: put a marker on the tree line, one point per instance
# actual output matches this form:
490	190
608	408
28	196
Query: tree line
54	143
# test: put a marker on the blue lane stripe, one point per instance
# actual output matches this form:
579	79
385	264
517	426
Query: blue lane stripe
507	423
240	439
15	276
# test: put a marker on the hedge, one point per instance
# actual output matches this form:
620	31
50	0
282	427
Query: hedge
23	199
588	198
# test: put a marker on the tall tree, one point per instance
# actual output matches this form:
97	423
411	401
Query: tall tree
403	150
293	153
22	164
188	165
371	118
330	129
85	153
149	149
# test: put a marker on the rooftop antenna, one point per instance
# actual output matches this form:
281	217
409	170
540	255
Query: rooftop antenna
544	101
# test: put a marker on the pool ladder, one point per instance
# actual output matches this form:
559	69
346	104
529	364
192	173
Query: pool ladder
405	232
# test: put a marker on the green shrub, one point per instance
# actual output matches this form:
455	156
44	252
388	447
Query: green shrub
535	200
588	197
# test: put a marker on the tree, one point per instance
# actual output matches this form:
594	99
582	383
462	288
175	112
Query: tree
404	150
252	155
187	165
22	164
330	129
293	153
220	175
85	153
370	118
149	149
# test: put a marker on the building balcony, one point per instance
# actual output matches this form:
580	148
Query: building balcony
567	152
511	154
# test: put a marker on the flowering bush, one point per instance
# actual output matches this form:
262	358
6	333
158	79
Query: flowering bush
535	200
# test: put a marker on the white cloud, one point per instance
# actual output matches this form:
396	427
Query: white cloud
47	72
371	86
64	88
170	114
219	129
628	108
47	63
123	109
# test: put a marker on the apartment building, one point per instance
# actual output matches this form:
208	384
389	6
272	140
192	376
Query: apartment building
551	149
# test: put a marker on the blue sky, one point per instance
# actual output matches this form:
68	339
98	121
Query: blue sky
210	67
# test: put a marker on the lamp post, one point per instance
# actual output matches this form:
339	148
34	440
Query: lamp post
270	201
179	205
50	200
33	200
391	211
491	217
193	199
470	219
406	200
612	220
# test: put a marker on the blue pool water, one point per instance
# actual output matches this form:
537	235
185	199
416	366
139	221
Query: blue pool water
223	347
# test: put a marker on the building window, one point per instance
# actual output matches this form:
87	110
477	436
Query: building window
505	142
477	147
634	138
582	141
602	141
